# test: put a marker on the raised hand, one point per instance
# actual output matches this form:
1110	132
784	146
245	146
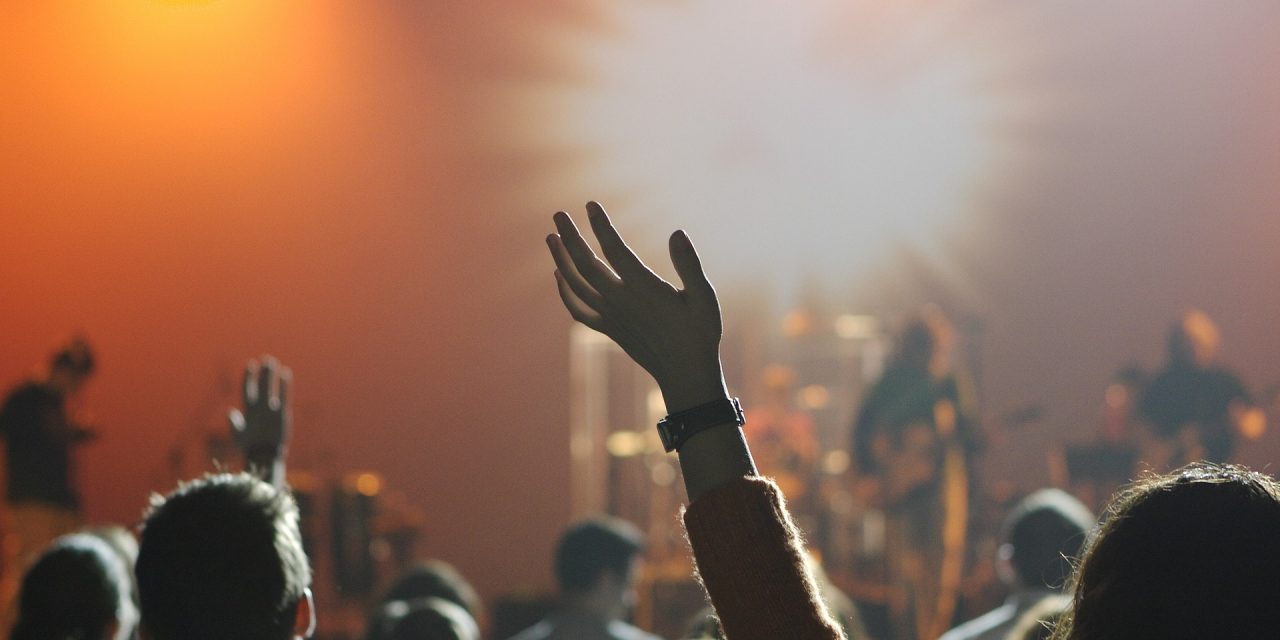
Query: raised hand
261	430
673	333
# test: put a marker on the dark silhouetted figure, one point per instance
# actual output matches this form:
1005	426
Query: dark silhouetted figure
430	579
43	500
911	442
1195	407
424	619
221	557
1040	538
596	567
78	588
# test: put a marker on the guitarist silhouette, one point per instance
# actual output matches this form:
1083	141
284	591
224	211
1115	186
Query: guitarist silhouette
911	442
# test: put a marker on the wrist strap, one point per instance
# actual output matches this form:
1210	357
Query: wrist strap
677	428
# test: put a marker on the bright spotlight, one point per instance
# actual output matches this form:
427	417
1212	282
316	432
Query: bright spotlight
793	134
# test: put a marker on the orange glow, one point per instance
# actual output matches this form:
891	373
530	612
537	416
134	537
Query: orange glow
368	484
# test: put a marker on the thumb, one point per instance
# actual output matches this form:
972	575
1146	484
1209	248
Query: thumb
236	419
689	267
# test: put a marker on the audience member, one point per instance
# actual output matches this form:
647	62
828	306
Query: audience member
435	579
596	567
748	551
423	619
123	542
221	557
1191	554
78	588
1040	537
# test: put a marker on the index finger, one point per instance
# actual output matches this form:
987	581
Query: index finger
616	251
249	388
267	379
592	268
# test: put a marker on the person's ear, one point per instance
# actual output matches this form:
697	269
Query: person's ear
304	623
1004	564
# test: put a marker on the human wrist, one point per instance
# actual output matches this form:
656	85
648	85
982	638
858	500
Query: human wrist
683	393
263	453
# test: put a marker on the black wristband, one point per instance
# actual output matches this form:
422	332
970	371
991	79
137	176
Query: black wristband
678	427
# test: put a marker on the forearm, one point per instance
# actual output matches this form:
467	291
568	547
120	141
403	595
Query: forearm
752	563
715	458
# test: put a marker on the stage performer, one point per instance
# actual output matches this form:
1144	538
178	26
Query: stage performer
911	443
1197	410
40	434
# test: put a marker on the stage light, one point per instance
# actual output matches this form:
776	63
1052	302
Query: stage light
835	462
796	138
368	484
814	397
857	327
625	444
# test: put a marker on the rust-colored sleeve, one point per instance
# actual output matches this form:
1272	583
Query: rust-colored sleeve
750	559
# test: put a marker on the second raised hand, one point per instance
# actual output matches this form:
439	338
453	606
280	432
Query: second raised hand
674	334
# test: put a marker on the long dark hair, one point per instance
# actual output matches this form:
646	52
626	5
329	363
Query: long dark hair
1191	554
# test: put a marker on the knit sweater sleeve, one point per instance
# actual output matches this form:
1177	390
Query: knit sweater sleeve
750	559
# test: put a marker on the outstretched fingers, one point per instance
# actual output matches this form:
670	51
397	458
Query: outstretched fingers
568	272
578	310
592	268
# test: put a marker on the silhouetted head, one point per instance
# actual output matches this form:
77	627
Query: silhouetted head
924	340
435	579
71	365
221	557
1194	340
423	619
1041	537
597	558
1192	554
78	588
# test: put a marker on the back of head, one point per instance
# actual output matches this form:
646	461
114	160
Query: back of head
435	579
424	619
221	557
1045	532
1191	554
78	588
592	547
